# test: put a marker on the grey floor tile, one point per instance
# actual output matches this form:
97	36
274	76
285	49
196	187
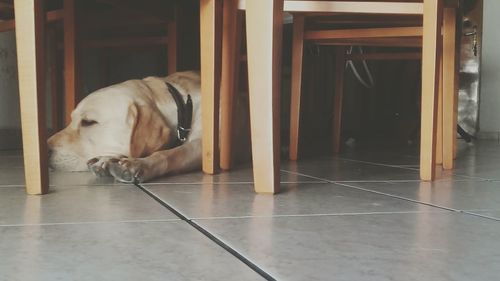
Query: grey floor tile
480	159
401	155
79	204
336	169
460	195
236	175
15	176
115	251
421	246
478	168
225	200
60	178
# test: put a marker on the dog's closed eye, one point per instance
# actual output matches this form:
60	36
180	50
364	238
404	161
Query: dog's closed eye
88	123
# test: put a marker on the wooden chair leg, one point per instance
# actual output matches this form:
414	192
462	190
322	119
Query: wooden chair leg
455	107
431	45
296	85
439	125
172	45
337	100
264	39
55	97
231	45
450	89
70	60
210	35
30	29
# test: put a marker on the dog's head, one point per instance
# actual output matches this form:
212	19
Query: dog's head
116	121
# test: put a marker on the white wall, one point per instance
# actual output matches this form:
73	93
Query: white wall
489	118
9	93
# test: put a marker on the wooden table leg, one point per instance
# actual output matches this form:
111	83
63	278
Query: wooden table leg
439	125
450	87
210	44
70	60
338	96
296	85
55	80
264	38
231	53
431	46
30	27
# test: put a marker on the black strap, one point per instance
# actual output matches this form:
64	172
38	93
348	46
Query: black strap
184	113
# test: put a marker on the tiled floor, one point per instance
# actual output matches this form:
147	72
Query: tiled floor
361	216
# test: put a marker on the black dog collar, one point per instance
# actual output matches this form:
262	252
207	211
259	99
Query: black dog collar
184	114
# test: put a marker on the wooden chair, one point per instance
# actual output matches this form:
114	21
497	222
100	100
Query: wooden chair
109	26
94	22
30	24
264	43
404	32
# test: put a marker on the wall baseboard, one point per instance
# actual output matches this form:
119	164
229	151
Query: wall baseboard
488	135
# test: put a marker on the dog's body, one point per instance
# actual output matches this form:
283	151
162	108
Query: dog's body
129	129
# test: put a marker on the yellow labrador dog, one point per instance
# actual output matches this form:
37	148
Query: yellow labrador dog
133	130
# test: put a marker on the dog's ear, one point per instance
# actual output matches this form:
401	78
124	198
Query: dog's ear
150	133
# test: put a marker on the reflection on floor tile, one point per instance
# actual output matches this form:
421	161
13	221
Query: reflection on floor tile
422	246
15	176
115	251
223	200
79	204
59	178
236	175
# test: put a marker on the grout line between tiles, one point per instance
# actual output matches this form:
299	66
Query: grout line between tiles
418	202
481	216
209	235
377	164
86	222
221	183
399	197
195	183
407	168
11	185
304	175
482	210
357	181
313	215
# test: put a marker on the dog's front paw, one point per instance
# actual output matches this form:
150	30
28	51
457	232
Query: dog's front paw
129	170
99	165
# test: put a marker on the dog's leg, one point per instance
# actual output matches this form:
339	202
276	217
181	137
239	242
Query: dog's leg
180	159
